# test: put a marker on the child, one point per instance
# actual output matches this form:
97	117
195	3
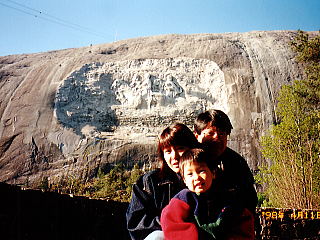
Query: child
194	213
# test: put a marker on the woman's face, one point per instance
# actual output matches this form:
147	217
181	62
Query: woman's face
172	156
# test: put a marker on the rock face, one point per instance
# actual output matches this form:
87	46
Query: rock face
73	111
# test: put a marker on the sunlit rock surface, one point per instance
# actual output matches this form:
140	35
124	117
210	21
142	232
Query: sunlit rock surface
71	112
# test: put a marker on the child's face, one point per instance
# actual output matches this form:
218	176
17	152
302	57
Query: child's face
197	177
172	156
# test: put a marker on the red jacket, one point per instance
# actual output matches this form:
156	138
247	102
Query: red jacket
186	218
177	220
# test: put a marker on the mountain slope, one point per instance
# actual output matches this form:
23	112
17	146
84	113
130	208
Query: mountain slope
73	111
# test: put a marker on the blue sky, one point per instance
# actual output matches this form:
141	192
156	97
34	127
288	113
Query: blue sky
76	23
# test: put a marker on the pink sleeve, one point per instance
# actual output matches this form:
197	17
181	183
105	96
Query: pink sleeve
174	224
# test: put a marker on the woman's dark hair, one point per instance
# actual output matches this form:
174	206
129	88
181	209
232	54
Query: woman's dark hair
215	118
177	134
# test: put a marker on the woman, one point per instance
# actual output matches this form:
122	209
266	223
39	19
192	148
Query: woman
153	191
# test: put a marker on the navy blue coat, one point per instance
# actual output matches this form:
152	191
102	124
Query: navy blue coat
150	194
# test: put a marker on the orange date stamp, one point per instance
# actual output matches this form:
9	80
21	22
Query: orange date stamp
293	214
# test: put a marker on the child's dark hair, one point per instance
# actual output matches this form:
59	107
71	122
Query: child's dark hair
197	155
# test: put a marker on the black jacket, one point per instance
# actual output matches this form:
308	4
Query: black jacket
237	180
150	194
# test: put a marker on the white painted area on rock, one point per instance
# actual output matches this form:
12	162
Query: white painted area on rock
152	88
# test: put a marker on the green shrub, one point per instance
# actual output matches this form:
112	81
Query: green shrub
115	185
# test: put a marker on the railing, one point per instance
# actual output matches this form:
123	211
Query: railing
34	214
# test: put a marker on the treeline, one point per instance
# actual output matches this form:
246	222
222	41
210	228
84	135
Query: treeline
114	185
